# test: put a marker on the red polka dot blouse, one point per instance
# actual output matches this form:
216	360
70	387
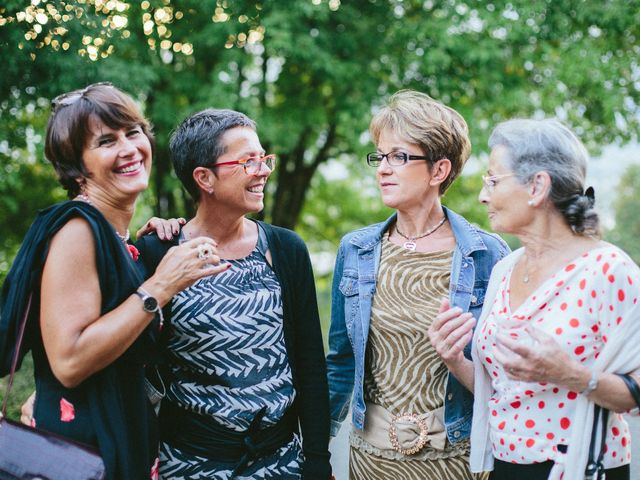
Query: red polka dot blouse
580	306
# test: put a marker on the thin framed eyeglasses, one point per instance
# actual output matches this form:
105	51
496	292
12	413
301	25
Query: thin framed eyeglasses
395	159
490	181
252	166
70	98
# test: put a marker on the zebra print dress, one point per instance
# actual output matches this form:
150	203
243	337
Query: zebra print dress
403	372
230	361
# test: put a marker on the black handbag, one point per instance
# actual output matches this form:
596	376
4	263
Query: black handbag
28	453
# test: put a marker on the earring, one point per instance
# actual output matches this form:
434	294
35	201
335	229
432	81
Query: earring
530	203
210	191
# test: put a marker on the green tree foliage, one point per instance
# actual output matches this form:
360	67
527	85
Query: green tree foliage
626	206
310	71
26	180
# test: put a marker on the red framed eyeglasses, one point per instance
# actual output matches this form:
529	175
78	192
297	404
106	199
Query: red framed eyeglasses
252	166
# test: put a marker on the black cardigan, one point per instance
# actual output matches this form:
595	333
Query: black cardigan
302	336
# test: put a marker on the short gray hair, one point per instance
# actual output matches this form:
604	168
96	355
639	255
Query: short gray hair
547	145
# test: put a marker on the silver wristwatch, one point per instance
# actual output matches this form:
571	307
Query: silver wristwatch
593	383
150	304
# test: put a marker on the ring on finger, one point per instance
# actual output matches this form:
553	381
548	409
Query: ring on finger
204	251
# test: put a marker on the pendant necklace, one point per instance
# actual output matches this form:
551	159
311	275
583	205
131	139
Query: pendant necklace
410	243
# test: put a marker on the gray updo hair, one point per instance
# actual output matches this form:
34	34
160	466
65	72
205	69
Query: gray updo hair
547	145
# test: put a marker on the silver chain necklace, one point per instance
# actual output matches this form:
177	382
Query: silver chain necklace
410	243
82	197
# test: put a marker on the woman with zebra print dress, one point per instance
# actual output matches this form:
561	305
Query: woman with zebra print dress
246	394
411	411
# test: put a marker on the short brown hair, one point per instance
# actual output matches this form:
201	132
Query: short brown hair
68	128
438	130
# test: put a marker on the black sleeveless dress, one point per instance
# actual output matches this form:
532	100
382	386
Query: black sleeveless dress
110	410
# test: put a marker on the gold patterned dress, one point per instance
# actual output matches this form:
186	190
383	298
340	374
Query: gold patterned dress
403	372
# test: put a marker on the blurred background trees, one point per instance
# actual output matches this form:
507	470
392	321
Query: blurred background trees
626	232
311	72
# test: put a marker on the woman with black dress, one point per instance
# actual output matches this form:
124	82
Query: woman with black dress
91	323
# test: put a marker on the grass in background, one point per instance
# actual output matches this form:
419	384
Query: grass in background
23	386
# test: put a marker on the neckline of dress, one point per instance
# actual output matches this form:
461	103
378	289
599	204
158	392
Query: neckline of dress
534	293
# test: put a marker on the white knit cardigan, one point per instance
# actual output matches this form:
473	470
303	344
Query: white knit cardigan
621	354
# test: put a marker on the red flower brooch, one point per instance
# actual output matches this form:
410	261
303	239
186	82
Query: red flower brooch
67	410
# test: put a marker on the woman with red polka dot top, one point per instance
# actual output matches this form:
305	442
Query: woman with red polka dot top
560	317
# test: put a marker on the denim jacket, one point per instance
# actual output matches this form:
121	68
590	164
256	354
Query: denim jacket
354	285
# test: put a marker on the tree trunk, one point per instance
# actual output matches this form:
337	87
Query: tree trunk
294	179
289	197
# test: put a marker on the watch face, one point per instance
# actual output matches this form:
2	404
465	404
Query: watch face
150	304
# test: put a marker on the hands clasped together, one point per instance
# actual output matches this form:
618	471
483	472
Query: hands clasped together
533	356
530	355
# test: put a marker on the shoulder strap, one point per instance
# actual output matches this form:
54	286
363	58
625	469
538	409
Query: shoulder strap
631	384
595	467
262	244
16	354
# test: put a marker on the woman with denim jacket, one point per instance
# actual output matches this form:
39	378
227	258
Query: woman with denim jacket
411	407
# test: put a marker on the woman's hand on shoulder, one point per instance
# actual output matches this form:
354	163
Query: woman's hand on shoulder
450	332
164	228
183	265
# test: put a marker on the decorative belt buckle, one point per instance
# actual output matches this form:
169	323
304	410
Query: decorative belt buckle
422	437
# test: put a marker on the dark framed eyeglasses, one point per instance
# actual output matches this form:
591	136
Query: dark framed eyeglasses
70	98
395	159
253	165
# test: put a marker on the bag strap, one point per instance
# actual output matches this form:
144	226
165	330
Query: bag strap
16	354
595	468
632	385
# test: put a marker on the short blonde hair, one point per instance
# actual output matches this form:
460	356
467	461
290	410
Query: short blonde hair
438	130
